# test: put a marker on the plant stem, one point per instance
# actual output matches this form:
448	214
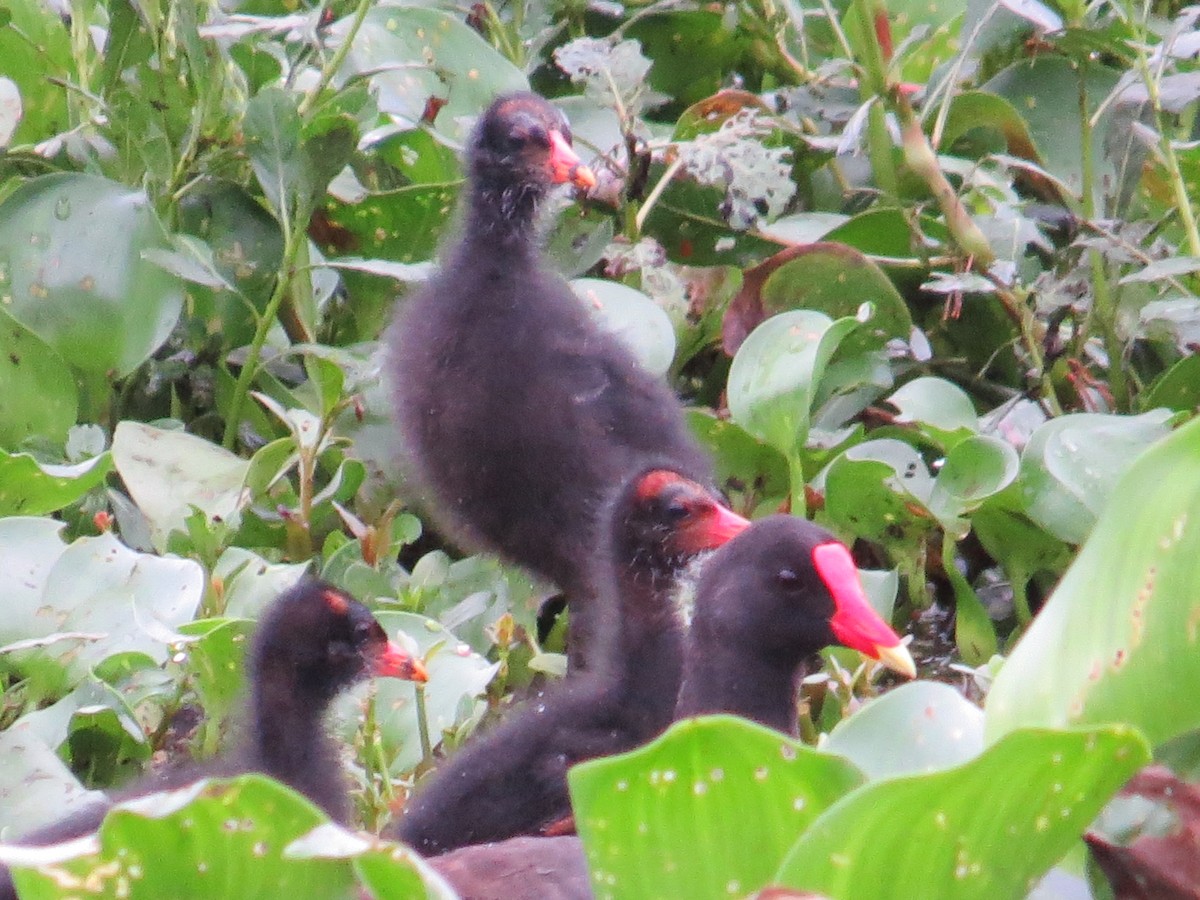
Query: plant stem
423	727
1103	311
656	192
293	239
797	484
335	62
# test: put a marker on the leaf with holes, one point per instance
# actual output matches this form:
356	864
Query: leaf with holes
706	810
986	830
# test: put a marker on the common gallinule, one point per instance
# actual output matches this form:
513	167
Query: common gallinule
518	416
512	779
311	644
765	603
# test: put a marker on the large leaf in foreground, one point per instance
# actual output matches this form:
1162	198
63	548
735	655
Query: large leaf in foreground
248	837
32	488
988	829
707	810
1117	641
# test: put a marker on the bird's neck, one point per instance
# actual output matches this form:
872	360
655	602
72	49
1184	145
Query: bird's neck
722	678
651	644
504	217
288	741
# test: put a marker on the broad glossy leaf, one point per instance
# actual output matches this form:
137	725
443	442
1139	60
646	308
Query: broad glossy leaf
169	472
30	488
99	596
974	470
416	53
630	315
1071	465
36	787
1117	639
70	259
988	829
1178	388
39	392
879	490
706	810
753	474
250	582
942	407
210	840
776	373
920	727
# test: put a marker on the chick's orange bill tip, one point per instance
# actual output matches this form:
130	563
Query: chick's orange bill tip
565	164
395	662
726	524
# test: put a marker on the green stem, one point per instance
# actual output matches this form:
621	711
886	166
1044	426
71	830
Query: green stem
1019	582
655	193
250	369
335	62
797	486
1103	312
423	728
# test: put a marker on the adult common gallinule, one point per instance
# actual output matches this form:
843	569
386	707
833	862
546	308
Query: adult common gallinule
765	603
311	644
512	779
519	417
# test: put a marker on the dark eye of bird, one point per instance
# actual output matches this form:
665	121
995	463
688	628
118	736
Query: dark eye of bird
539	138
675	511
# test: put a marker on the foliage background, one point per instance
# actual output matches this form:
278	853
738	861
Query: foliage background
926	272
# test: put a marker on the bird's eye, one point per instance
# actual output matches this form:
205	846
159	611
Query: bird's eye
539	137
787	579
362	631
675	511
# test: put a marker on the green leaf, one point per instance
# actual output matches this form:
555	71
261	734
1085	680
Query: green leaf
94	597
36	787
86	290
879	490
205	841
413	53
30	488
706	810
977	468
942	407
988	829
1071	465
169	472
632	317
921	726
1119	634
272	130
33	43
776	373
39	392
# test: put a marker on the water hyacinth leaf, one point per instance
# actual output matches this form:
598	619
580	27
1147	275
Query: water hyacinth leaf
170	472
32	488
611	72
455	64
1071	465
215	660
977	468
73	267
706	810
1178	388
1139	566
103	597
837	280
632	317
36	787
394	872
1041	790
40	397
941	407
777	371
32	43
752	474
181	844
920	727
457	677
879	490
249	582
